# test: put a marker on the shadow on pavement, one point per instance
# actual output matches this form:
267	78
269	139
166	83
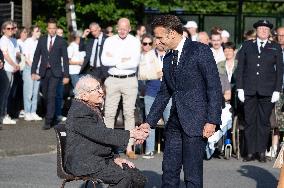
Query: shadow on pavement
262	177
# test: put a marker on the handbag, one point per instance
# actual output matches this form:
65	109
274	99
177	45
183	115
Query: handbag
149	67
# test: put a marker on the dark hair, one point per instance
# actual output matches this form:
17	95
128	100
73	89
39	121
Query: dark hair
139	27
229	45
51	21
31	29
146	36
169	22
215	32
250	34
20	30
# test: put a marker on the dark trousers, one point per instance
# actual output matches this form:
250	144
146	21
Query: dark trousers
257	111
48	85
3	93
121	178
182	151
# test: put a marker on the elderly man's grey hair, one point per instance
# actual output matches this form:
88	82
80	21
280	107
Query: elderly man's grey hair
83	85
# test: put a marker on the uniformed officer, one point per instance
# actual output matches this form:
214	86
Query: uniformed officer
259	82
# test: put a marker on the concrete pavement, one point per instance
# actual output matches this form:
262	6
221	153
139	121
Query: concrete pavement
28	160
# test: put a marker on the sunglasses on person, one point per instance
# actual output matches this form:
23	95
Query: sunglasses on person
10	28
147	43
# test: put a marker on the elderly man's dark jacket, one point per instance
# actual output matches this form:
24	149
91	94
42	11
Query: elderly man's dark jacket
89	143
260	73
195	90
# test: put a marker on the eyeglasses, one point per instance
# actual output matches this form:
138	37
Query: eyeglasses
98	87
10	28
147	43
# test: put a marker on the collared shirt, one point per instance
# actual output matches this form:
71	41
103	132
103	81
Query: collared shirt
179	47
194	37
122	55
97	41
48	40
258	41
218	54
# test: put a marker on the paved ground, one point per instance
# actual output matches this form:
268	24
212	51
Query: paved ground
20	169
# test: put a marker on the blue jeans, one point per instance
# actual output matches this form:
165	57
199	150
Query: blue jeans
150	141
74	79
30	91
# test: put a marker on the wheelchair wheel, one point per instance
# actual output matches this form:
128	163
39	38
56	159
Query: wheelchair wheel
236	137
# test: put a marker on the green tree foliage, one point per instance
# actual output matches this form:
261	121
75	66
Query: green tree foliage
107	12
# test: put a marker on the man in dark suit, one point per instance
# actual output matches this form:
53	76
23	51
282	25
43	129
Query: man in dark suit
49	52
93	47
259	83
191	79
90	144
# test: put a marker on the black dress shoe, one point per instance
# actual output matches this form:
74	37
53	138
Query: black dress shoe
262	158
248	158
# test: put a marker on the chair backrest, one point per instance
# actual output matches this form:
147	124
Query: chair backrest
60	132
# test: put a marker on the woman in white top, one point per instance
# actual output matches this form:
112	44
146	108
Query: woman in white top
76	58
31	87
10	64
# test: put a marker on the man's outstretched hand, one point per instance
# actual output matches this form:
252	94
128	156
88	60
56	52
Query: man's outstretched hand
140	133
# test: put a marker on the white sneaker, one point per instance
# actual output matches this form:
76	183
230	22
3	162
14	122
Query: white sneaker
22	114
8	121
28	117
36	117
270	153
61	118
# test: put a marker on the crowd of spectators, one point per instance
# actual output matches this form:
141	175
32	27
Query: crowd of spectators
34	71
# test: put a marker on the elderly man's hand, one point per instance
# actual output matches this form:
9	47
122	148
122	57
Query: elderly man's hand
140	133
119	161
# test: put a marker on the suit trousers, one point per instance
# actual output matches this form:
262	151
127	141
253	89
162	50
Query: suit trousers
48	85
182	151
257	111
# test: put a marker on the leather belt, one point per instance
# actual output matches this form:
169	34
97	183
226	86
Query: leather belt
123	76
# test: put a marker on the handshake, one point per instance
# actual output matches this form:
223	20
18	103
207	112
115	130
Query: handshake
140	133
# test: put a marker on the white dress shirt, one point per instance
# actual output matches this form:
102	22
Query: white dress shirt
48	41
179	47
258	41
122	55
92	58
218	54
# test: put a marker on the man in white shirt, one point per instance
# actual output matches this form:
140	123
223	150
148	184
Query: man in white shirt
121	53
217	49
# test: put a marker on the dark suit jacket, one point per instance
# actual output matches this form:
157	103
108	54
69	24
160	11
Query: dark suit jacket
89	143
196	92
88	46
58	51
260	73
